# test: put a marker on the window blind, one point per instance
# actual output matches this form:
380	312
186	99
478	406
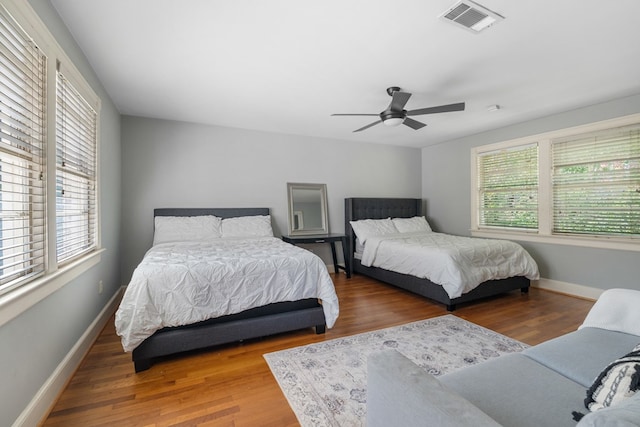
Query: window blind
76	141
508	188
596	183
22	155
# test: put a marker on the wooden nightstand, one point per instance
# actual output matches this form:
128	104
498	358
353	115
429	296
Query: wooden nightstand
325	238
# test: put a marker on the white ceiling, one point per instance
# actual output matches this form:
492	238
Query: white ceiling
286	65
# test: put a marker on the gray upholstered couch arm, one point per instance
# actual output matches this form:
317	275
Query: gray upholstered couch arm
400	393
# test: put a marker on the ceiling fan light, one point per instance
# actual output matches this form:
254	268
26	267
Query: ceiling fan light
393	121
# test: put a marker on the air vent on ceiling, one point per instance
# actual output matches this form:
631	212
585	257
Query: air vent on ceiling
471	16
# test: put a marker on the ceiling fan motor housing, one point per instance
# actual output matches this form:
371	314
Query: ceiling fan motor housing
393	118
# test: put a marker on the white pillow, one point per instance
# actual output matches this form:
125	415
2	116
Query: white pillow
247	226
408	225
186	228
366	228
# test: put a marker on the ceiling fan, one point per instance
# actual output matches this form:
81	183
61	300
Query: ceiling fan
395	114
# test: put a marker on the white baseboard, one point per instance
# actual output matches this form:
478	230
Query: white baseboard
44	399
568	288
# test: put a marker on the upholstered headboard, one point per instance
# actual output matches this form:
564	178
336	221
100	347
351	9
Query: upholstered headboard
379	208
357	208
219	212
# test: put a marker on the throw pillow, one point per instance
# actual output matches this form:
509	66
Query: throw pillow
619	380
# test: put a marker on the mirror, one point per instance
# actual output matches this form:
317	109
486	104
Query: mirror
307	209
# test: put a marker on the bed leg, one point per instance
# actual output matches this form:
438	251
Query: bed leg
141	365
451	307
524	290
321	329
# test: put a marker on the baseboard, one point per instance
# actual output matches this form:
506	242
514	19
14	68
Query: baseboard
44	399
568	288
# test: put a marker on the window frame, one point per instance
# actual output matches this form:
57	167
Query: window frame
544	233
16	300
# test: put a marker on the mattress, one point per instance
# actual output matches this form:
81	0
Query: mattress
458	264
180	283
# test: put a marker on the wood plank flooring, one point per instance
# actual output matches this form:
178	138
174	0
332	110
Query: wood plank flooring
232	385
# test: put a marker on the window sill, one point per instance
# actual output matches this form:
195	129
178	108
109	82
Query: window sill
26	296
587	242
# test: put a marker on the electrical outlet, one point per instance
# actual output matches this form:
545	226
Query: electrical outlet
100	287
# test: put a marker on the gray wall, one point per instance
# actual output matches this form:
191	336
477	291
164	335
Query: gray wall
33	344
177	164
446	188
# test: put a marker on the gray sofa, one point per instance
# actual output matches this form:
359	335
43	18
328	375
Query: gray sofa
540	386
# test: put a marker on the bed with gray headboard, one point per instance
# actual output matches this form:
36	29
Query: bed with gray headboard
253	323
381	208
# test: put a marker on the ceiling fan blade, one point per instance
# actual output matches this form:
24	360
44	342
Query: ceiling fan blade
413	124
439	109
399	100
368	126
356	114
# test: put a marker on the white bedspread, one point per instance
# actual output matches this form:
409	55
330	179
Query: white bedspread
181	283
457	263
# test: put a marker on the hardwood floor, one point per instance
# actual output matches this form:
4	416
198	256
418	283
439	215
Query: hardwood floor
232	385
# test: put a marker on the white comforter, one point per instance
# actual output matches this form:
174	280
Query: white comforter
457	263
181	283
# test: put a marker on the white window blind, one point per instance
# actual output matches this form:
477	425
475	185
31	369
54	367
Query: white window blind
22	154
508	188
76	143
596	183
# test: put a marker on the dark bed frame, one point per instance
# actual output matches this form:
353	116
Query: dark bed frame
254	323
380	208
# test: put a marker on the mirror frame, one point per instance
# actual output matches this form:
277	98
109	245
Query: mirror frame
322	188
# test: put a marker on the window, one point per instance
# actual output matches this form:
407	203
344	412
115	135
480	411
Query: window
508	188
596	183
49	230
75	173
22	155
574	186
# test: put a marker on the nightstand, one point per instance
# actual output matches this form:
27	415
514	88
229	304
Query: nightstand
325	238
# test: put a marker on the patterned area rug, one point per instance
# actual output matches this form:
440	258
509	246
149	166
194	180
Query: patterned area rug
325	383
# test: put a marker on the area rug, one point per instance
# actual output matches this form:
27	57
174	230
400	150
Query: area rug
325	383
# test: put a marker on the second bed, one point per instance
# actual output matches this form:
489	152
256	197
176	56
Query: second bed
399	248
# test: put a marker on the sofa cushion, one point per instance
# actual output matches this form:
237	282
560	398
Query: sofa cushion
514	390
619	380
625	414
583	354
400	393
